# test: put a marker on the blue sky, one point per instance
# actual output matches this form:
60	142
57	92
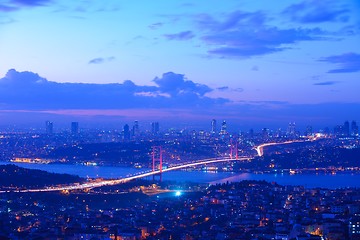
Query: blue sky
252	62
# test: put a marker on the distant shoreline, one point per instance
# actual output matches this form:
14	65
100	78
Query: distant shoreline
308	179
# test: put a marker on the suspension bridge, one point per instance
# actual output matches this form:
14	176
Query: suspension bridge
157	169
110	182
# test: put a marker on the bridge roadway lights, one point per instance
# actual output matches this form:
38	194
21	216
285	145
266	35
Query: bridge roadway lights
146	174
122	180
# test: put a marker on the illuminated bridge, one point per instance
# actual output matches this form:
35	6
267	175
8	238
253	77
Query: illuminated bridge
157	157
109	182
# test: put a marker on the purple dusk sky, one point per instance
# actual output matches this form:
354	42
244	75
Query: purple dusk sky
253	63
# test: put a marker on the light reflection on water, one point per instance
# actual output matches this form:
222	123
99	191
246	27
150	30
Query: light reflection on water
308	180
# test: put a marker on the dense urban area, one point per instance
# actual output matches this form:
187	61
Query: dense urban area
155	209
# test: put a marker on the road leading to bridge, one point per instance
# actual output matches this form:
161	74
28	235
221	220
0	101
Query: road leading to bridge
260	148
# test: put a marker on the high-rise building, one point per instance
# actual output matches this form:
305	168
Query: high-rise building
309	131
155	128
49	127
291	131
202	135
213	126
346	128
126	131
75	128
339	130
354	128
265	133
223	128
326	131
136	131
251	133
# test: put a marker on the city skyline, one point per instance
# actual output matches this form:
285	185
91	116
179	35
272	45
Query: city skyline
214	127
252	63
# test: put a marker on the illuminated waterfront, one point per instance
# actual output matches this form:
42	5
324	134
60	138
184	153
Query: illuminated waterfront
339	180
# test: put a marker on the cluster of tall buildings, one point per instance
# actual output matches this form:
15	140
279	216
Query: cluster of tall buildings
291	131
127	132
49	126
155	128
346	129
223	129
135	130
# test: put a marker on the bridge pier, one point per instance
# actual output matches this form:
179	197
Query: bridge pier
157	158
234	150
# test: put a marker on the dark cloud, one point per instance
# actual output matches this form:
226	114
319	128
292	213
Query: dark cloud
250	42
186	35
155	26
349	30
226	88
29	91
26	97
243	35
314	11
265	103
31	2
243	52
100	60
96	61
233	21
348	62
7	8
223	88
80	6
177	85
13	5
325	83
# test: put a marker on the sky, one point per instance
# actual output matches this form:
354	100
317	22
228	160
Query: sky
252	63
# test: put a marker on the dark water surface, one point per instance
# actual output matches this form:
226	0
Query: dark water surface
339	180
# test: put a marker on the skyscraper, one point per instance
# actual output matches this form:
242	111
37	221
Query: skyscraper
49	127
126	131
309	131
155	128
223	128
339	130
265	133
213	126
136	128
251	133
74	128
291	131
346	128
354	128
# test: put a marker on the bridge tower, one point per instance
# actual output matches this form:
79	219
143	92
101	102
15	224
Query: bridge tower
157	158
234	150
